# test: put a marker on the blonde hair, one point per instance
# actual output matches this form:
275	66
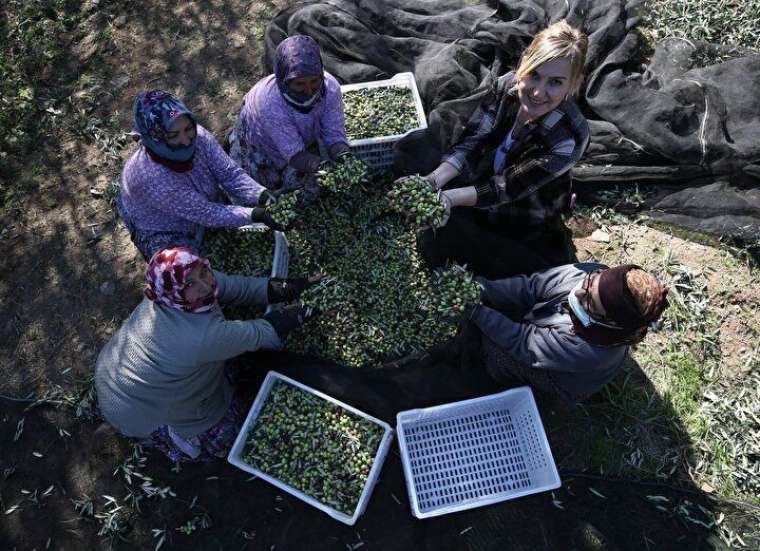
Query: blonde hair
556	41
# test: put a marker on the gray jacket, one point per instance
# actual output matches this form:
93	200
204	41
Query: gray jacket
166	367
529	321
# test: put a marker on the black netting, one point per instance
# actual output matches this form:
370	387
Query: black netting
689	117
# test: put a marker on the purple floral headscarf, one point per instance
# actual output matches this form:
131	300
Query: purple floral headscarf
298	56
155	111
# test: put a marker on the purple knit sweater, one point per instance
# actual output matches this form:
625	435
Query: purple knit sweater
278	131
158	198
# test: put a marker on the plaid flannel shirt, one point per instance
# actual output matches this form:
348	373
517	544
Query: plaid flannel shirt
535	184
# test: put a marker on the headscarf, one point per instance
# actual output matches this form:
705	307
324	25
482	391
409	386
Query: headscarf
298	56
166	278
621	309
155	111
619	304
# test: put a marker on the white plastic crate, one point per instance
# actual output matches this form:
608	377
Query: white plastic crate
281	258
377	152
477	452
235	455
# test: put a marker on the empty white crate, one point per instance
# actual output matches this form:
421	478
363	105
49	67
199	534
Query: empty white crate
235	455
473	453
377	152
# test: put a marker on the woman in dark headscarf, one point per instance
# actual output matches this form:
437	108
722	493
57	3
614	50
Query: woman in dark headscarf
284	116
566	330
172	182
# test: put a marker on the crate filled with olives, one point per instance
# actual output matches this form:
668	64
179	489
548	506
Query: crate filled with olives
312	446
378	114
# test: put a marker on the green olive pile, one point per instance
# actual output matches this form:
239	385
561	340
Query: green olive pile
379	301
314	446
413	197
284	211
382	111
344	175
240	252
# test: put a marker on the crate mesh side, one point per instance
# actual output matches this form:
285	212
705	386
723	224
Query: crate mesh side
532	444
470	457
377	156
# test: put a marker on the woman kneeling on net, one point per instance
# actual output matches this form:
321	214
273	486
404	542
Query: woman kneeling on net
566	330
517	148
285	115
171	185
162	377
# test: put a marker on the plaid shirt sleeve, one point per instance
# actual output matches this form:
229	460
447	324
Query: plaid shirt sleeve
464	155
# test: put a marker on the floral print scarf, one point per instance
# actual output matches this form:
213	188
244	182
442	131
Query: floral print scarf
154	112
167	276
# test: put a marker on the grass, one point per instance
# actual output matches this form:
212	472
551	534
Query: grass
47	95
686	416
728	22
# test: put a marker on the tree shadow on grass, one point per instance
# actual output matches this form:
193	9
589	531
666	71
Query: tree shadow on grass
64	245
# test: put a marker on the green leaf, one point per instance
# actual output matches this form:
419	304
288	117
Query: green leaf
26	93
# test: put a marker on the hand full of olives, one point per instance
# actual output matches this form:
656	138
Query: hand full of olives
284	211
414	197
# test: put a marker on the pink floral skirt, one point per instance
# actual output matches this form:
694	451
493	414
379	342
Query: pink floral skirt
211	444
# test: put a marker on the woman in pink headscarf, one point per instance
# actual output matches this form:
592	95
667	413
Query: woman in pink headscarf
285	115
162	377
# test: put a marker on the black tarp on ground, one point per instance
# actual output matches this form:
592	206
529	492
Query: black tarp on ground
689	117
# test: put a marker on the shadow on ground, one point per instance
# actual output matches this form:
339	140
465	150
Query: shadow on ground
587	513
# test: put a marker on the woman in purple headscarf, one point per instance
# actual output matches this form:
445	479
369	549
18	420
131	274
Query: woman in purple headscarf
172	184
285	115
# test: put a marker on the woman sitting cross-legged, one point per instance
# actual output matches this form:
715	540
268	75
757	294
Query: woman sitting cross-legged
162	377
566	330
285	115
171	186
512	164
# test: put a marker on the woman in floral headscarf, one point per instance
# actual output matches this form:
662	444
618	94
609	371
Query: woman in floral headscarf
171	184
284	116
162	377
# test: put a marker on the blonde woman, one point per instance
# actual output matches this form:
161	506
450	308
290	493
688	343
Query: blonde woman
516	153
